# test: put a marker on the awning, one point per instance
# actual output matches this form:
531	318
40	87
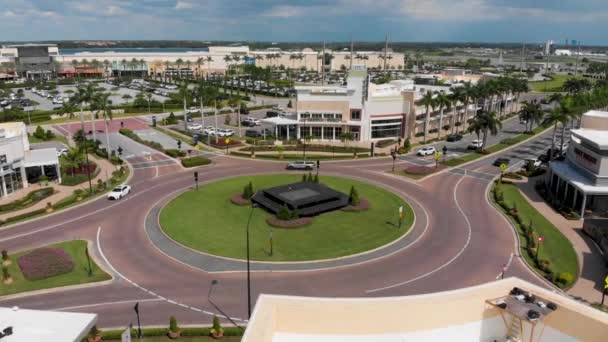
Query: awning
577	179
44	156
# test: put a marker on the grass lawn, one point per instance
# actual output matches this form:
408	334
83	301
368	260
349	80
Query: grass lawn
208	221
554	85
79	275
556	247
59	138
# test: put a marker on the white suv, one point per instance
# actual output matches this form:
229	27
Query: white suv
119	192
195	127
475	144
426	151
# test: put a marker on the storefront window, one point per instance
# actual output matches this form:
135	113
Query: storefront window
386	131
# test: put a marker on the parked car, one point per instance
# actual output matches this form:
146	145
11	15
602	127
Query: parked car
193	110
248	123
252	133
500	161
119	192
222	132
454	137
62	152
272	114
301	165
209	130
195	127
426	151
475	145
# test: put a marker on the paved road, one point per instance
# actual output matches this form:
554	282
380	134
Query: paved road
466	242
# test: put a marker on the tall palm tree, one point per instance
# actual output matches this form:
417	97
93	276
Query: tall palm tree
86	95
428	101
179	63
442	101
457	96
184	94
199	62
104	104
468	94
209	59
68	108
123	65
491	124
531	113
189	65
227	59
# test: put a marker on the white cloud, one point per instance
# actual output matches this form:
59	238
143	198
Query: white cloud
183	5
115	10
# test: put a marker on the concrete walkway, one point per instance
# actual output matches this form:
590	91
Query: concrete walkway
61	191
592	268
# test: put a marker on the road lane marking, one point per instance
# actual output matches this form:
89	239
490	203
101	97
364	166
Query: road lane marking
466	245
103	256
108	303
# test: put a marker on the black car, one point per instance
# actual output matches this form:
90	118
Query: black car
501	161
252	133
454	137
271	114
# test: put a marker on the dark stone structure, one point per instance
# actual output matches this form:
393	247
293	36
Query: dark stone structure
309	199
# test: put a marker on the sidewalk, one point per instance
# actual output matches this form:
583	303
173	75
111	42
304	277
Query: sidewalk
592	266
61	191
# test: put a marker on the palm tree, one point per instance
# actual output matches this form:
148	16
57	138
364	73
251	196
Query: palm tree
104	104
468	94
72	160
86	95
199	61
189	65
179	63
123	65
227	59
530	112
456	97
68	108
235	102
442	101
428	101
491	124
167	66
209	59
184	94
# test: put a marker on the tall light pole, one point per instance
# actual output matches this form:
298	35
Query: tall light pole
213	283
253	206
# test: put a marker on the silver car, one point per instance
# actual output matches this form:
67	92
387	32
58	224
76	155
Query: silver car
301	165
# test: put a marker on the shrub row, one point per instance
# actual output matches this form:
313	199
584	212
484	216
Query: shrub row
385	142
157	332
311	148
30	199
195	161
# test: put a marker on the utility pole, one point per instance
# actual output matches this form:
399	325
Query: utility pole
523	57
323	64
578	54
351	52
385	49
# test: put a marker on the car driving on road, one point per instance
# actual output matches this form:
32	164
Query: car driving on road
195	127
119	192
500	161
475	144
301	165
426	151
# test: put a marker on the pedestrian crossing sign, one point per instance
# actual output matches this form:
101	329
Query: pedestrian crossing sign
197	147
606	285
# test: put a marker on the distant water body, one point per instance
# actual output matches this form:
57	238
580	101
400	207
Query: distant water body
101	50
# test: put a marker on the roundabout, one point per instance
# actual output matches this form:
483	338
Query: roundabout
333	234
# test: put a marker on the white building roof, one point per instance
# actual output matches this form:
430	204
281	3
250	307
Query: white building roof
44	326
281	121
43	156
597	137
597	114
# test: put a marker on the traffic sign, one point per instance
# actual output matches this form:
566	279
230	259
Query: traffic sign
503	167
126	335
227	141
606	285
197	147
437	155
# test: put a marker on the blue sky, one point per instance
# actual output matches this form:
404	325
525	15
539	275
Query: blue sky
312	20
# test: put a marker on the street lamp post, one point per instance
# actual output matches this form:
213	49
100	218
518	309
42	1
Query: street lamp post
213	283
136	309
253	206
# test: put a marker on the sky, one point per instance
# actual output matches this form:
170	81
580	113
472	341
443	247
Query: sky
312	20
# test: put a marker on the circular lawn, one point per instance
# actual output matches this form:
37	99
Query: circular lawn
207	220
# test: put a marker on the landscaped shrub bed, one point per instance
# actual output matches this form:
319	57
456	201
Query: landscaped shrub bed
299	156
112	335
221	142
30	199
195	161
512	175
385	142
175	153
294	223
23	216
420	170
45	262
311	148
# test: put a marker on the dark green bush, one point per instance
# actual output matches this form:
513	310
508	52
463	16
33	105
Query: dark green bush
353	197
30	199
248	191
195	161
174	153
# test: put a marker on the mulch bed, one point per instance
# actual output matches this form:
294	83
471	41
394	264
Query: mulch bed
423	170
362	206
239	200
278	223
45	262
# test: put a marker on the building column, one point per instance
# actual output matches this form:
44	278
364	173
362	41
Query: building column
584	205
24	177
565	192
574	197
334	133
276	131
287	132
298	129
4	194
42	169
322	132
58	168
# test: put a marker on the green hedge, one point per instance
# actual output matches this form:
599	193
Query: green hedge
158	332
30	199
195	161
175	153
290	157
311	148
385	143
23	216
